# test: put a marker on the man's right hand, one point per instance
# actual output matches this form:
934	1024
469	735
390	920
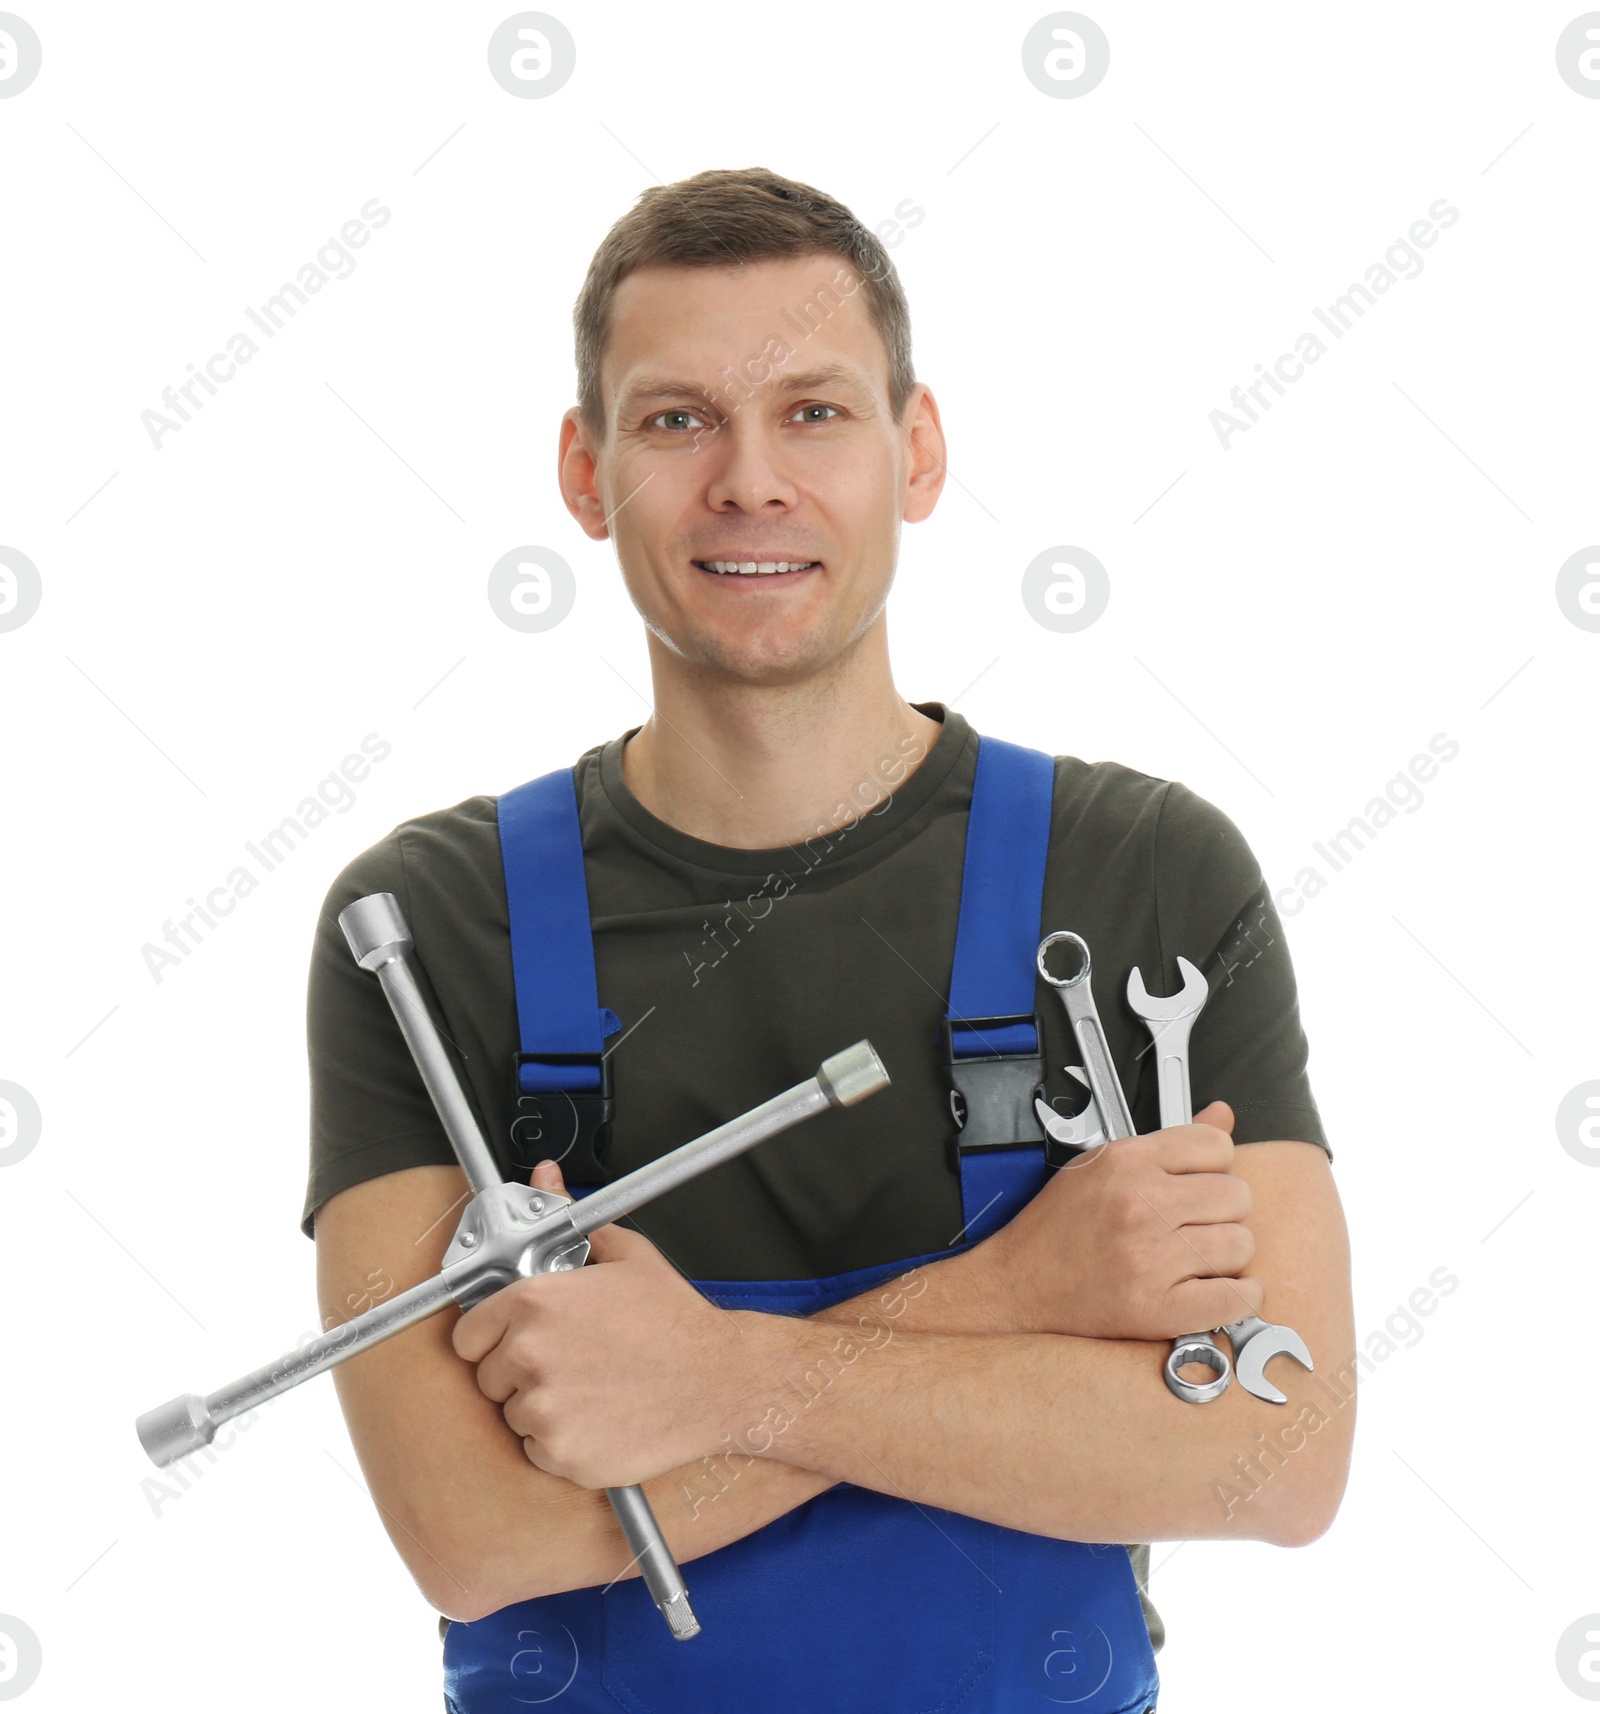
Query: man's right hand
1136	1239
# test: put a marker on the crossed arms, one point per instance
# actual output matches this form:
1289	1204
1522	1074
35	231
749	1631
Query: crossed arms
1018	1381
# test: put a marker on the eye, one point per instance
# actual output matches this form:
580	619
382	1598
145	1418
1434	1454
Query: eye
655	421
804	408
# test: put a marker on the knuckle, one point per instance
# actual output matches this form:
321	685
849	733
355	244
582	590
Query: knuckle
535	1419
1234	1196
1245	1297
522	1353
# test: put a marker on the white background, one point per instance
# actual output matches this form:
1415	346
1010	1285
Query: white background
306	562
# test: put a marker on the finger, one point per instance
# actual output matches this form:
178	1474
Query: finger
547	1176
497	1379
536	1455
1193	1148
1217	1302
1209	1252
1217	1113
608	1243
477	1332
1204	1198
615	1243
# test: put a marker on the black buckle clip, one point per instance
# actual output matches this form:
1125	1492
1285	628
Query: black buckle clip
991	1095
569	1126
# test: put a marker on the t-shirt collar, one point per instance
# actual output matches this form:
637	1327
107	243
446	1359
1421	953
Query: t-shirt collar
858	822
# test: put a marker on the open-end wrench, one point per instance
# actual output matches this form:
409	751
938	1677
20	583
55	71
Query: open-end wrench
1169	1021
1083	1130
1116	1122
1255	1342
506	1232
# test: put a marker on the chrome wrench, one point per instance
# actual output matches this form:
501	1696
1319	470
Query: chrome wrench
1255	1342
1117	1122
1169	1021
1083	1130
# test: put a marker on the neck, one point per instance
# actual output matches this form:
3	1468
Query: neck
758	766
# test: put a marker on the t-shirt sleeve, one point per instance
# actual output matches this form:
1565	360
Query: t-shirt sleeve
1212	907
370	1111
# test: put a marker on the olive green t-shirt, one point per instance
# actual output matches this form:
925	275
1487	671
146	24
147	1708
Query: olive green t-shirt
735	973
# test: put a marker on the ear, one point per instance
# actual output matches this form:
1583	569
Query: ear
926	454
576	469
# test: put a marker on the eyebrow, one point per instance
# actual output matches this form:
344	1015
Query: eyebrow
651	387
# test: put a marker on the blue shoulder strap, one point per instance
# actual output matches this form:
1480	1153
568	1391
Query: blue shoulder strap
560	1021
991	1046
990	1038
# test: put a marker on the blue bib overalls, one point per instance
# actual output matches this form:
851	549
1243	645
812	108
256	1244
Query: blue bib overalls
855	1602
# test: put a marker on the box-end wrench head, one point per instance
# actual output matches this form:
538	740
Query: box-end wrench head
1197	1348
1116	1121
1255	1343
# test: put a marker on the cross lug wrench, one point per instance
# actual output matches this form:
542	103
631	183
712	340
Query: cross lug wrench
506	1232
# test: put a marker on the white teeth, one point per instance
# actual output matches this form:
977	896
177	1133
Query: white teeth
755	568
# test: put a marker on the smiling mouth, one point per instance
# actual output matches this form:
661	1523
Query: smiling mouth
756	567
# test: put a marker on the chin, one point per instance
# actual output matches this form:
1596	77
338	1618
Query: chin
764	661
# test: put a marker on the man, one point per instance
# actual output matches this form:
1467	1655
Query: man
896	1446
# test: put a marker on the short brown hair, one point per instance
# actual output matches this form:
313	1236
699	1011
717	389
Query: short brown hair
727	216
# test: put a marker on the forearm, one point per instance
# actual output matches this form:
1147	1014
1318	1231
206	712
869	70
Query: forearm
730	1493
475	1522
480	1526
1087	1443
963	1293
1073	1438
700	1507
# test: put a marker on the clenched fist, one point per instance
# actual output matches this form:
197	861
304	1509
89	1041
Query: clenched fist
1137	1239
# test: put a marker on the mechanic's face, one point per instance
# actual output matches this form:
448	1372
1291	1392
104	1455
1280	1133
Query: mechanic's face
733	440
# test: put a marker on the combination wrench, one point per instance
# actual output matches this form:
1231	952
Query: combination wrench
1254	1341
1083	1130
1116	1123
508	1231
1169	1021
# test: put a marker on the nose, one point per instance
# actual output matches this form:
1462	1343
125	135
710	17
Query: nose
747	467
